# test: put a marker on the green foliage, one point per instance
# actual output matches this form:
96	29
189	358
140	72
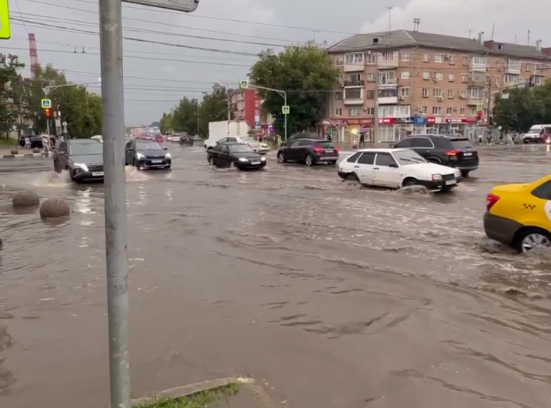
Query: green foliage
523	108
213	108
184	117
11	85
306	72
165	124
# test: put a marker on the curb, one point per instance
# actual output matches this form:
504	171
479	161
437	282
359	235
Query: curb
190	389
13	156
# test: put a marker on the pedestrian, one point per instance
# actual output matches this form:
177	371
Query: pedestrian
45	144
489	138
362	140
480	138
27	142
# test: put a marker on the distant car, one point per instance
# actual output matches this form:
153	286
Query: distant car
160	139
452	151
237	155
82	158
258	147
309	152
142	154
186	140
517	215
173	138
309	135
36	141
397	168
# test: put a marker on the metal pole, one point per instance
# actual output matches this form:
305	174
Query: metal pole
285	103
48	126
112	93
376	108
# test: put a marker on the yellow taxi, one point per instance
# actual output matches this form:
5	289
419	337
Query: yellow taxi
519	215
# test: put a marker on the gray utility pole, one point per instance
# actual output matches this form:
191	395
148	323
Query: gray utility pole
376	101
112	95
283	94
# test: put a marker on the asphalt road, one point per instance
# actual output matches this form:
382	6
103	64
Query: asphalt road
337	296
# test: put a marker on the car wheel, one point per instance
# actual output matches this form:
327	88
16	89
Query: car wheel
352	177
532	238
446	189
465	173
332	162
136	165
434	160
410	182
281	158
168	167
209	159
309	160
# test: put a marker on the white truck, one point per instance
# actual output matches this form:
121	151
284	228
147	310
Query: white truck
225	128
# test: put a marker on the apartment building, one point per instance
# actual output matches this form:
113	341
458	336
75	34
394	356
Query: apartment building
246	105
425	82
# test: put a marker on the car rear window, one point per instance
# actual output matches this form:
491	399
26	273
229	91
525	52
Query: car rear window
326	144
461	143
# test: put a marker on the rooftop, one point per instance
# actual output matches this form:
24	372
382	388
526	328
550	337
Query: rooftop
406	38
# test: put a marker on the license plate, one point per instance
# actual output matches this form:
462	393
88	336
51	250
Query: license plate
330	151
451	182
156	161
255	162
467	154
97	174
329	158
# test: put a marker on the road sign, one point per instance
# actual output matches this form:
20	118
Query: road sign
187	6
285	110
5	32
479	107
244	84
45	103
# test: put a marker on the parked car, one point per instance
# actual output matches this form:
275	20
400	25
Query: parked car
397	168
186	140
448	150
82	158
237	155
143	153
519	215
36	141
308	151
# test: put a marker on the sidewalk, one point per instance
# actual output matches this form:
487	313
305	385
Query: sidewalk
5	153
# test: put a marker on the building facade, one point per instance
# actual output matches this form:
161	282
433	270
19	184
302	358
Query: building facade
246	105
425	82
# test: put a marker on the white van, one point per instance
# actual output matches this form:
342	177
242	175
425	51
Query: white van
538	134
225	128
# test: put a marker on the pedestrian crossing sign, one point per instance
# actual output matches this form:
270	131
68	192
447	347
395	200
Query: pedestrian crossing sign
46	103
285	110
244	84
479	107
5	32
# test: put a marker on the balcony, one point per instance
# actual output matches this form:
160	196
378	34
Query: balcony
388	83
478	66
353	101
388	63
355	83
513	70
354	67
475	101
388	100
476	83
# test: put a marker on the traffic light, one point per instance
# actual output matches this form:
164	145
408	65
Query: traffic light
47	112
479	115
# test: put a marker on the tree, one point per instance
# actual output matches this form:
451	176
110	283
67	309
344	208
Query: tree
165	124
185	116
11	90
306	73
213	108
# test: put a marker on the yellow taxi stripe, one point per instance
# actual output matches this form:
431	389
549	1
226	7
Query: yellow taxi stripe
5	32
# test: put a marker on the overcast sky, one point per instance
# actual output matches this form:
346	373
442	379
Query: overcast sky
158	75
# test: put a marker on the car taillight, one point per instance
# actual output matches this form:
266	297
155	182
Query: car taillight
336	148
453	152
318	149
491	199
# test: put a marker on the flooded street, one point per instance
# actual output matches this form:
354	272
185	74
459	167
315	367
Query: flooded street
337	296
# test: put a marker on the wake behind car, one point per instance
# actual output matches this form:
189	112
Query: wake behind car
142	153
452	151
397	168
308	151
237	155
82	158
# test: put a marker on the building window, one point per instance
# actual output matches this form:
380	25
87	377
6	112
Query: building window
423	110
464	78
451	59
451	77
476	93
449	111
511	79
355	58
462	112
406	56
388	77
404	92
426	75
339	62
528	67
450	94
479	76
354	77
464	94
353	93
389	56
425	93
370	111
514	64
439	76
370	77
426	58
436	110
338	112
437	93
466	61
480	60
370	94
371	59
473	111
405	75
439	58
354	112
497	81
338	96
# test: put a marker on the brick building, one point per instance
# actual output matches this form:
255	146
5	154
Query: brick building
247	105
426	82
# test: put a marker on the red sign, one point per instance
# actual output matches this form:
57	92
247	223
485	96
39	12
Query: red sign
469	120
431	120
386	121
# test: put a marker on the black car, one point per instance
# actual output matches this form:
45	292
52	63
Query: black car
82	158
235	155
144	153
36	141
308	151
186	141
453	151
309	135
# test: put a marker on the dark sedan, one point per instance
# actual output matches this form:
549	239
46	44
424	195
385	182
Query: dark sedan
143	153
82	158
308	151
186	141
237	155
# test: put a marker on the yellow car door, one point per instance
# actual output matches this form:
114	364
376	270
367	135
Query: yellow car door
537	204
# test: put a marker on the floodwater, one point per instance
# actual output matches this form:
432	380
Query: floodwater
336	296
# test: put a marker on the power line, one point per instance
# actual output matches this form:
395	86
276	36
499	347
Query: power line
97	75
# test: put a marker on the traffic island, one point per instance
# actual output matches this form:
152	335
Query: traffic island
219	393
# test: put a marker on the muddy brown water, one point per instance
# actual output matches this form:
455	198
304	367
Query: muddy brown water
335	296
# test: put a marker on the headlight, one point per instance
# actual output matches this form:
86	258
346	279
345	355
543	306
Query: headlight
457	174
436	177
548	141
140	156
168	156
242	159
81	166
262	159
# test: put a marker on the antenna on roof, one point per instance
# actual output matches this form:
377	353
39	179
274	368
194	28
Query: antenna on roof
493	30
416	23
470	32
390	8
515	40
528	38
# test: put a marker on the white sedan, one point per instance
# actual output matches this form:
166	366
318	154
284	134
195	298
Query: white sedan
173	138
397	168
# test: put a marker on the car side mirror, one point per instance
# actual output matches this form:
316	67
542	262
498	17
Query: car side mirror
165	148
395	166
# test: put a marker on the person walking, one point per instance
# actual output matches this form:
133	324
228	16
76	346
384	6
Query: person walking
362	140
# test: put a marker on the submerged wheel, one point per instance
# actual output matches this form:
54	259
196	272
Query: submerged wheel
410	182
309	160
533	238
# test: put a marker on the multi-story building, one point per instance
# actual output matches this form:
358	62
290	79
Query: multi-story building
425	82
247	105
